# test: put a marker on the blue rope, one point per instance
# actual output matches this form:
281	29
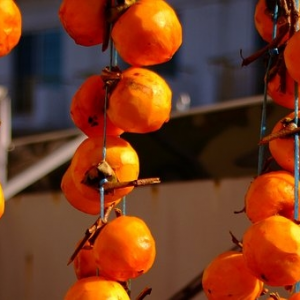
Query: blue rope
263	125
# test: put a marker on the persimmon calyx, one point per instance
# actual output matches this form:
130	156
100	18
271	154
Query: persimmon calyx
111	76
114	13
289	128
274	296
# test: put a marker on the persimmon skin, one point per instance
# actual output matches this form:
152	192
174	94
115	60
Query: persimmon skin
125	248
84	21
284	98
121	157
10	26
87	109
2	202
141	102
264	22
227	277
295	296
291	56
270	194
84	263
153	33
96	288
282	149
271	249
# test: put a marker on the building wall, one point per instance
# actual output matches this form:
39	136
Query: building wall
208	63
190	222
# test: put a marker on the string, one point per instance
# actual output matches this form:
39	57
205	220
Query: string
296	153
263	125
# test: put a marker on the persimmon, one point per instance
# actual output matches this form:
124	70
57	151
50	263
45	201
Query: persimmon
84	262
87	108
271	194
291	56
10	26
282	148
96	288
2	202
227	277
295	296
153	33
89	204
125	248
282	96
271	249
88	168
140	102
84	21
264	20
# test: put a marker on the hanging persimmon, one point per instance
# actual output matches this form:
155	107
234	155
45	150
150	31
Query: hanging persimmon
88	167
96	288
124	248
84	262
227	277
84	21
140	102
10	26
87	109
147	33
2	202
269	194
271	249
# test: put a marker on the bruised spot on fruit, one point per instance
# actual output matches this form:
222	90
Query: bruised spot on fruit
93	121
136	74
209	291
264	277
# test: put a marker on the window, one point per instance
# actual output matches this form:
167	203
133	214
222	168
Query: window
37	59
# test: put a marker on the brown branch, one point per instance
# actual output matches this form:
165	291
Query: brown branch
145	292
273	44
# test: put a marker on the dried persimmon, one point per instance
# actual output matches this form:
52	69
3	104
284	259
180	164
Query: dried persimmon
2	202
227	277
125	248
10	26
84	263
96	288
295	296
269	194
87	109
282	93
140	102
86	203
84	21
271	249
147	33
291	56
282	144
88	168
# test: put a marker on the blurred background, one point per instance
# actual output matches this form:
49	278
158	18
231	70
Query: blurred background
206	155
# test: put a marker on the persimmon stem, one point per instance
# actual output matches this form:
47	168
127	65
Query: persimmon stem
92	232
145	292
235	240
273	44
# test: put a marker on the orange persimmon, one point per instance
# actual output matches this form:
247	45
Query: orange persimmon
282	149
125	248
89	204
271	194
141	101
84	21
96	288
2	202
271	249
227	277
295	296
148	33
84	262
87	166
87	108
10	26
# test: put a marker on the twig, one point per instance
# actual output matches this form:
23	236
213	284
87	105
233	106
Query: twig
145	292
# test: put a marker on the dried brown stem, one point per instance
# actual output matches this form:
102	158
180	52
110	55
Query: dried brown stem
235	240
273	44
145	292
91	232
